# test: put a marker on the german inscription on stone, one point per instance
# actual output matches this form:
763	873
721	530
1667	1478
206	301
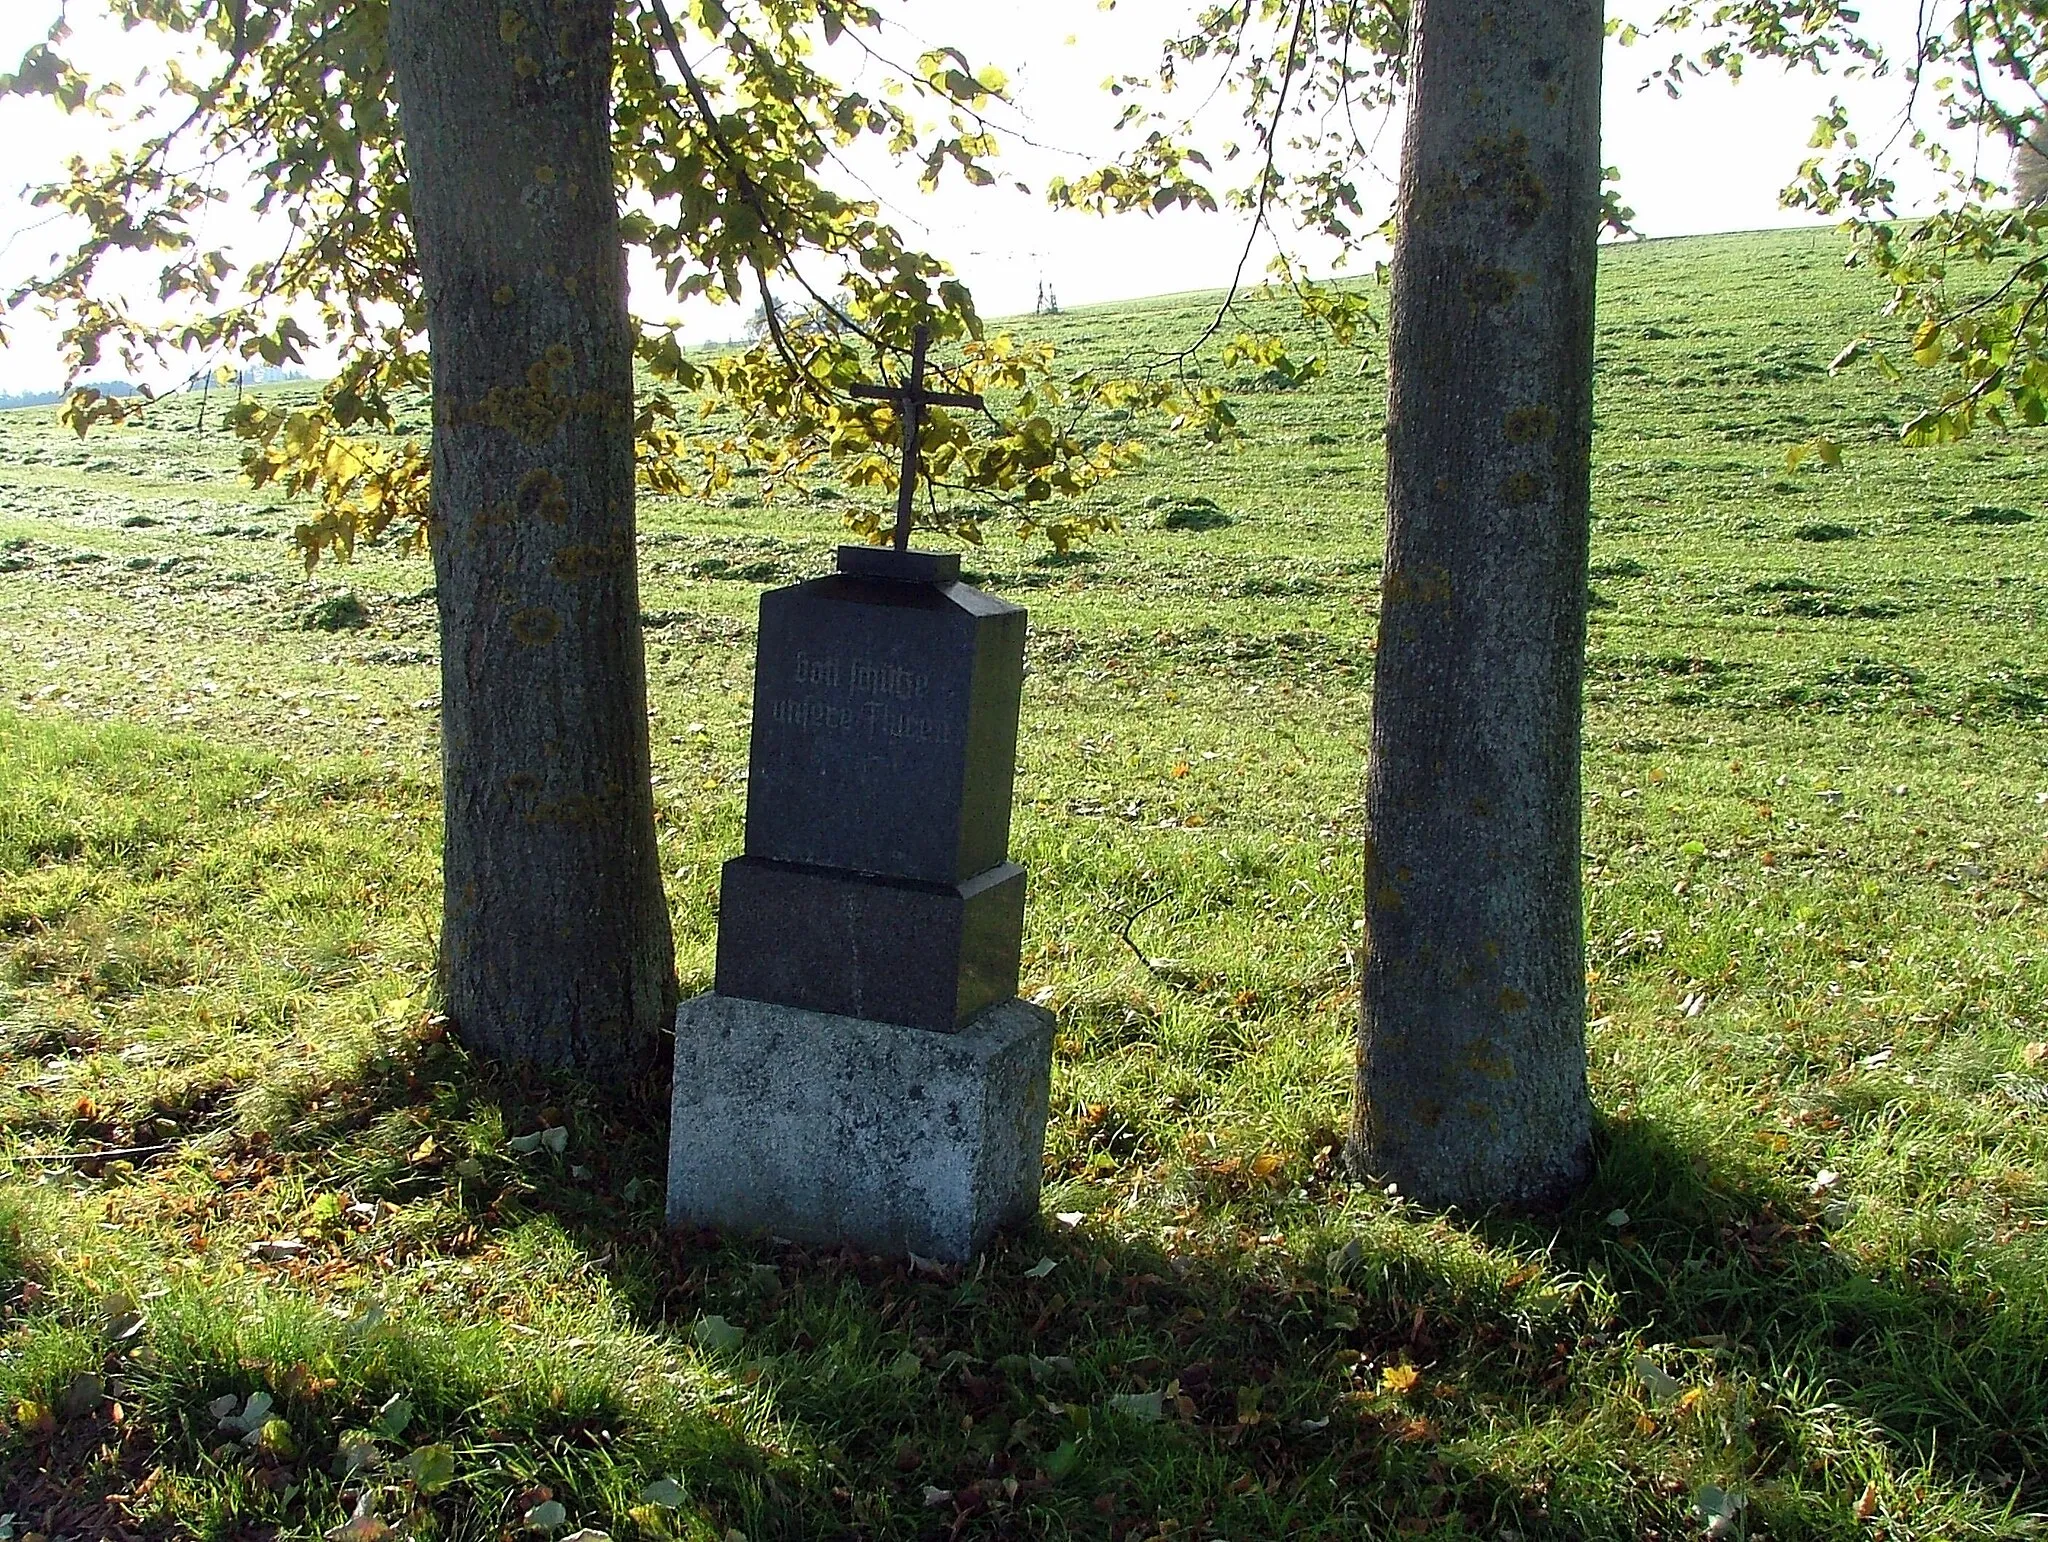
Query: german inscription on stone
885	730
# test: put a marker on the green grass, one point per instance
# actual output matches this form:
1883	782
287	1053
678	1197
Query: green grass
1811	1268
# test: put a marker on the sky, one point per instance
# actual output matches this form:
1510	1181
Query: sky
1713	160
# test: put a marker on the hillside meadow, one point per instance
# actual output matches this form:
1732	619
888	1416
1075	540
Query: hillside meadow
277	1258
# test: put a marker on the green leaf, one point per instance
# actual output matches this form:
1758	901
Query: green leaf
1661	1386
1145	1407
431	1468
356	1452
715	1333
394	1416
1063	1460
547	1516
665	1492
273	1438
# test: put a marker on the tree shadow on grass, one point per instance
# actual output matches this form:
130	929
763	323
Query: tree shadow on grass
1244	1375
1769	1280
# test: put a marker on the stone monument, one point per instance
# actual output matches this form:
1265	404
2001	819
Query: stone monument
862	1071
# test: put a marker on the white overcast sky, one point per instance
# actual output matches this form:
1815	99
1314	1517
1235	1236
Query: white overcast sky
1712	161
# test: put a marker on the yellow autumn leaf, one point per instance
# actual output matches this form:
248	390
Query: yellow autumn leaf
1399	1380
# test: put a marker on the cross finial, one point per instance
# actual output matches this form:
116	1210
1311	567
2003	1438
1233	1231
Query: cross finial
910	399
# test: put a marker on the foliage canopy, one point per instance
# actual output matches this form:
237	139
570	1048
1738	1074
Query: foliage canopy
731	130
723	161
1968	285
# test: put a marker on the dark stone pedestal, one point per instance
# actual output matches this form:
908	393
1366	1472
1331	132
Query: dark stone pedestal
926	955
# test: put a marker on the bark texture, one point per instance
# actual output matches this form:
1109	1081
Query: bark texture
1472	1064
555	945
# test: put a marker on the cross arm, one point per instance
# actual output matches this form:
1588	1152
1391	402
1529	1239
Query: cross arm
897	393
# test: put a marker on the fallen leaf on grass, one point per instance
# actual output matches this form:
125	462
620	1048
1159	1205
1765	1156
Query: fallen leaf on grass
273	1438
356	1452
82	1397
718	1334
1720	1509
1145	1407
431	1468
253	1413
665	1492
1041	1269
303	1382
1661	1386
1867	1505
548	1515
395	1415
363	1526
278	1250
1399	1380
2035	1054
122	1318
33	1418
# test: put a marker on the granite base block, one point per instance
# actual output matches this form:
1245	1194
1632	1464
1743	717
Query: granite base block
924	955
835	1130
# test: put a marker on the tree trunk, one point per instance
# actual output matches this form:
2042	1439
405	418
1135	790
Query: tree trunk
555	944
1472	1061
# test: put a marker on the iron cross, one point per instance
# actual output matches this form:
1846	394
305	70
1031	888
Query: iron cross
911	398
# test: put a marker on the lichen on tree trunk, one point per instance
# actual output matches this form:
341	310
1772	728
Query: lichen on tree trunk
1472	1066
556	945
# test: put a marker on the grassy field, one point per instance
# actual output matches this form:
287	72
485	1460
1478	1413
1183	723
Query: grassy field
271	1244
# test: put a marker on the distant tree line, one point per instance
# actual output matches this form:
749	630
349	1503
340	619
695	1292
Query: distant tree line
52	397
252	375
